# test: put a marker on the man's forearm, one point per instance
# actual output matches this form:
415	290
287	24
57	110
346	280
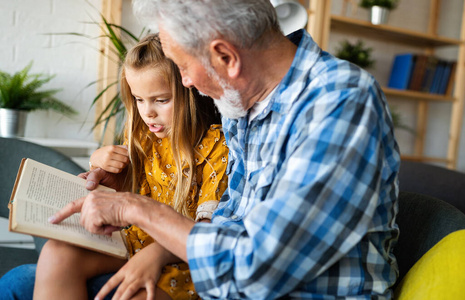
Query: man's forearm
169	228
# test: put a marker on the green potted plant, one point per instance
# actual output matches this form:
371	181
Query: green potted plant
356	53
21	93
120	39
397	121
379	9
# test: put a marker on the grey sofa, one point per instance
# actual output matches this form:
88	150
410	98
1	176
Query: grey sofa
423	218
11	153
447	185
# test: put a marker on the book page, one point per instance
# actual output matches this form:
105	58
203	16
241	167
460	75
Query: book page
49	186
36	216
41	192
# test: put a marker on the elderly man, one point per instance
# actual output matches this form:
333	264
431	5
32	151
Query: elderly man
311	203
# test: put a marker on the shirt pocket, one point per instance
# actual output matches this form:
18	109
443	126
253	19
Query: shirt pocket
260	181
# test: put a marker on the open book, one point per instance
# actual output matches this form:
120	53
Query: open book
39	192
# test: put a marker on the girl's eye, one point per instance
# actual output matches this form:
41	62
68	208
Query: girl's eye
163	101
138	99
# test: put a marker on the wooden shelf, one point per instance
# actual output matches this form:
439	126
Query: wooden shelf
414	95
322	23
386	32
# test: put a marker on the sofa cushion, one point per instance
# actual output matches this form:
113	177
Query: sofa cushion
439	274
423	221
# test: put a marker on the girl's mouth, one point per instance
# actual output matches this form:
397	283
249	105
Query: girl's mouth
156	128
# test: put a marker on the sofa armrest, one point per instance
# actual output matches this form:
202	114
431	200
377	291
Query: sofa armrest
13	257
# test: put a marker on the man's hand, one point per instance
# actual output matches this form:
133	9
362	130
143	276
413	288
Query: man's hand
103	212
141	272
113	159
100	176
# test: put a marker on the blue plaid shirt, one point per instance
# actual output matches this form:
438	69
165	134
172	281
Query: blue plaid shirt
312	197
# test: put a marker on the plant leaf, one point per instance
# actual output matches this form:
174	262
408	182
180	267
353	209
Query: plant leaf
22	91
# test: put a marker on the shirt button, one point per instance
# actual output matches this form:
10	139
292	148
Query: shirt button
234	217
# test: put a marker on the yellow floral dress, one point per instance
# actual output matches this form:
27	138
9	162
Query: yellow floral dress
209	183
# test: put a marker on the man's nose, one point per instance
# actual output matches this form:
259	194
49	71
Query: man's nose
186	81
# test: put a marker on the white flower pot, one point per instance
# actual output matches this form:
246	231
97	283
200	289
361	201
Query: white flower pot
379	15
12	122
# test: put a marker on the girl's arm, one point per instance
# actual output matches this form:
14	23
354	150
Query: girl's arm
113	159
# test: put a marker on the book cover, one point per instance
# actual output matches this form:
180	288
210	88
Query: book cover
39	192
438	73
429	74
445	78
418	72
401	71
450	83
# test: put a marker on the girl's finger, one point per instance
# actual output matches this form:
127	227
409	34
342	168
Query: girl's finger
109	286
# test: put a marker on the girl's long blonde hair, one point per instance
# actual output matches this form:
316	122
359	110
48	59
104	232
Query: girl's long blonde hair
192	117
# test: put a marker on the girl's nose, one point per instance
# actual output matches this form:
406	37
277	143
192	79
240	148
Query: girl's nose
150	112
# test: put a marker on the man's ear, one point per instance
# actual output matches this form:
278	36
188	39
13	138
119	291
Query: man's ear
226	57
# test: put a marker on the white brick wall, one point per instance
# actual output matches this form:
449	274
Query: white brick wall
25	27
23	24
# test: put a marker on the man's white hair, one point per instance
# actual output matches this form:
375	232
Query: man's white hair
194	23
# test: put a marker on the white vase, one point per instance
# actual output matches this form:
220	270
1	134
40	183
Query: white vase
379	15
292	15
12	122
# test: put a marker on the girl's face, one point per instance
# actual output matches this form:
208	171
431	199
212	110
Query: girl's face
154	99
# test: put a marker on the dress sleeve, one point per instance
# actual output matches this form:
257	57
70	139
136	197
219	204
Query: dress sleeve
214	178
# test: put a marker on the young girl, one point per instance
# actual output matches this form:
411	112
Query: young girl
174	153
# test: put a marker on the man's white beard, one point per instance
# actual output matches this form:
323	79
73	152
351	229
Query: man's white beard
230	103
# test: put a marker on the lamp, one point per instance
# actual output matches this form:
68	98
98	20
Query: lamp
291	15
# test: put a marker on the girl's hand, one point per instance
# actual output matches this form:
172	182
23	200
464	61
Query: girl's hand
141	272
113	159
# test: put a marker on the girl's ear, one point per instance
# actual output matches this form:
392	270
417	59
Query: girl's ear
225	56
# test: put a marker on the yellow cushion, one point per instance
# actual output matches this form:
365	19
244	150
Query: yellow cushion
439	274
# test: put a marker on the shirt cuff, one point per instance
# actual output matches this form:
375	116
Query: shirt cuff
206	209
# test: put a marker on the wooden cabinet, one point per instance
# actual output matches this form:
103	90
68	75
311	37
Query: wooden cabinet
322	23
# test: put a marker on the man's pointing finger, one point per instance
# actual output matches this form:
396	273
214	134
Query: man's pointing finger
67	211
